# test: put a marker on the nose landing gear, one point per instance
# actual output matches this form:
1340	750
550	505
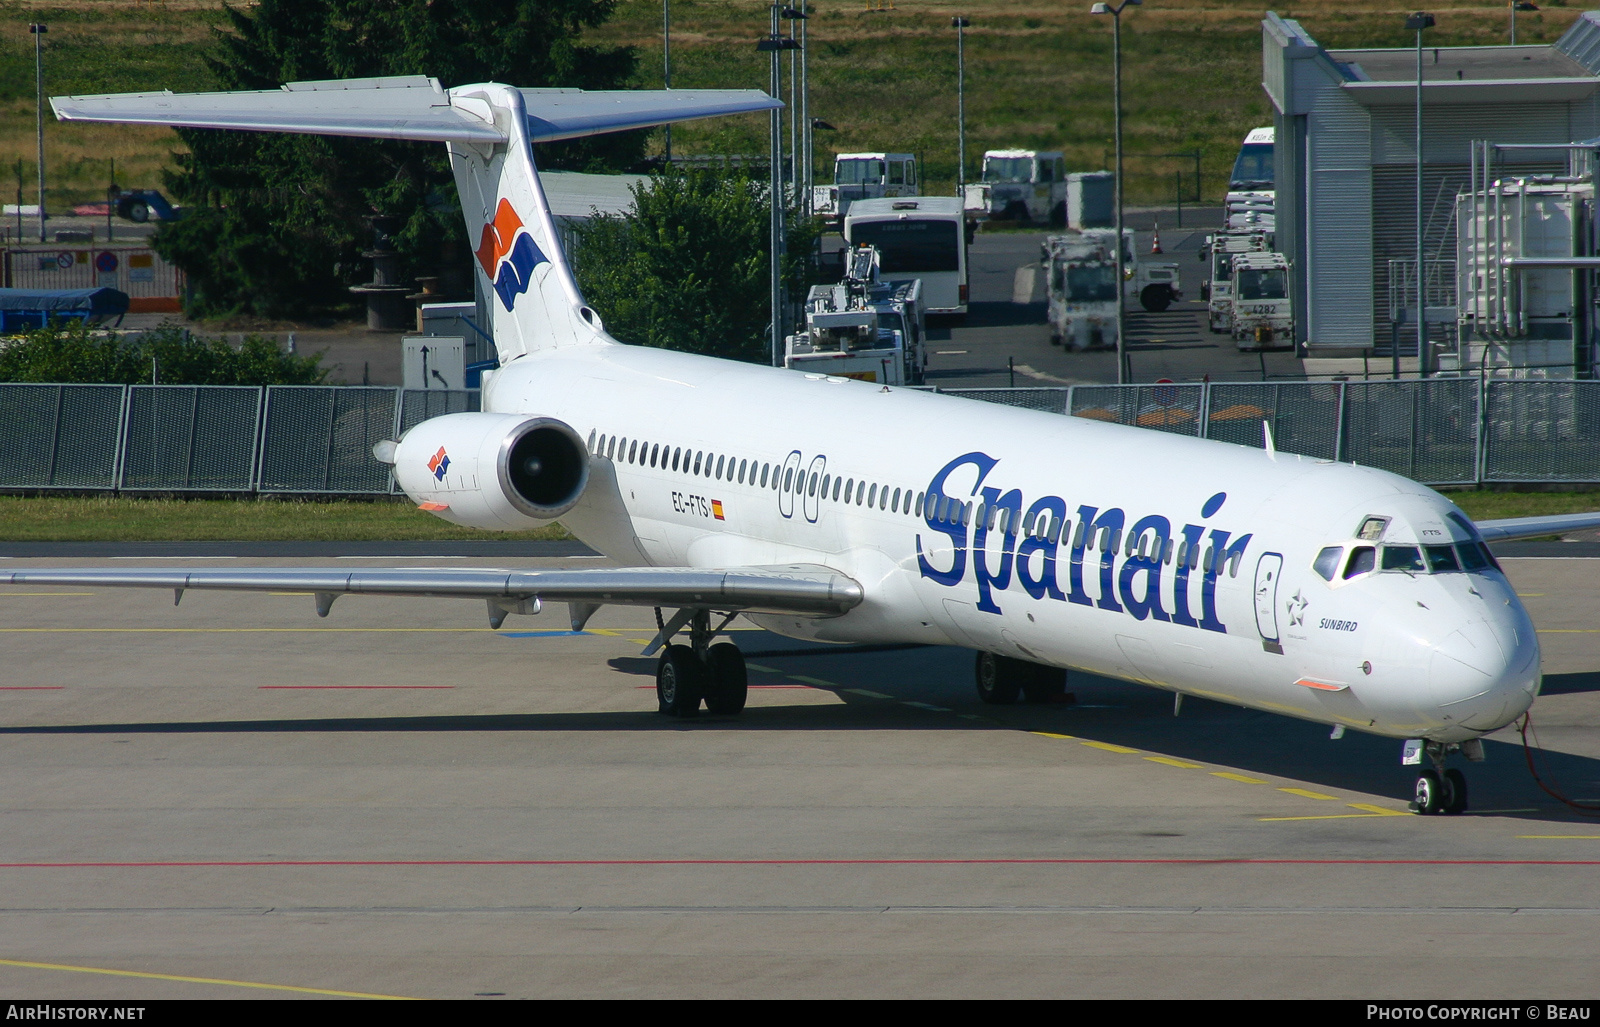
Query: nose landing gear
686	675
1439	790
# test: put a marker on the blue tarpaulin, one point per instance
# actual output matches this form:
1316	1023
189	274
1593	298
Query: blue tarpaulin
22	309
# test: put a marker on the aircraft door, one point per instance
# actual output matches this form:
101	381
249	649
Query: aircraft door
786	483
1268	570
810	500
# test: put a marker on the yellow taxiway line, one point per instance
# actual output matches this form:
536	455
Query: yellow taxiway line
193	980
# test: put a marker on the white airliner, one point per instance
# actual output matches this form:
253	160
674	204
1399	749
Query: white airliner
840	511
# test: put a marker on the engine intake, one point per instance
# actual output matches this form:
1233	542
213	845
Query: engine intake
499	472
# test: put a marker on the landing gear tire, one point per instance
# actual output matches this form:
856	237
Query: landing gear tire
727	682
1430	794
999	679
1455	787
680	681
1049	684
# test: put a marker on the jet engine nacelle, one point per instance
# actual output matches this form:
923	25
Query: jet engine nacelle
496	472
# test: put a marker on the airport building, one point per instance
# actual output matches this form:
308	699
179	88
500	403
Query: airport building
1346	180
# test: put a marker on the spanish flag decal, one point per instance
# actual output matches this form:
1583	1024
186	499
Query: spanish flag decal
716	509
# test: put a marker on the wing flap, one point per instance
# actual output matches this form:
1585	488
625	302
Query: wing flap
1510	529
801	589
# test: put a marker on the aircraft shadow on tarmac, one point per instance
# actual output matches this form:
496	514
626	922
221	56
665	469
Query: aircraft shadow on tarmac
1104	710
985	314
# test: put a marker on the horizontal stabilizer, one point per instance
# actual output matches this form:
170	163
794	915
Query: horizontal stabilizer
804	590
410	107
1512	528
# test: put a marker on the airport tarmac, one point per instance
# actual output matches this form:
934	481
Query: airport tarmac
234	798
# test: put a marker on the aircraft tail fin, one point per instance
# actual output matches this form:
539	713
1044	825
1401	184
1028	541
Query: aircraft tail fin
490	130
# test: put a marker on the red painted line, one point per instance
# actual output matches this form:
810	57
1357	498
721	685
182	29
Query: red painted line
357	687
30	688
976	861
652	687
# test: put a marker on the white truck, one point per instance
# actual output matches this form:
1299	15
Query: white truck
1263	315
1081	278
1156	284
1219	251
1020	185
863	176
863	328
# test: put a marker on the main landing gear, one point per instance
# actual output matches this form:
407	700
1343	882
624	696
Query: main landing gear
686	675
1002	680
1440	790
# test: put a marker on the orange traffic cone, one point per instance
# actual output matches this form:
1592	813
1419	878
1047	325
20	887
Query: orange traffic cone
1155	240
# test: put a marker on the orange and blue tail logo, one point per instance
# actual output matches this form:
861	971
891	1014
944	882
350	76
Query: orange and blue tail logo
508	254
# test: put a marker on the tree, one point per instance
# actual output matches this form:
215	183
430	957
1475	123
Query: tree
279	229
75	353
686	266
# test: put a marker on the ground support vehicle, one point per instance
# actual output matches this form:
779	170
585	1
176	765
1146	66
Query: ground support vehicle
1157	285
1219	251
917	237
139	205
863	176
1263	314
1020	185
1081	278
863	328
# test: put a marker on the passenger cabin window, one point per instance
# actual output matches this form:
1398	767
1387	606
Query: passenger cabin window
1363	560
1327	562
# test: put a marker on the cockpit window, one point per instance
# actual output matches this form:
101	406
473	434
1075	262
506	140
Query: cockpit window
1472	559
1362	561
1327	562
1372	529
1402	558
1441	559
1464	524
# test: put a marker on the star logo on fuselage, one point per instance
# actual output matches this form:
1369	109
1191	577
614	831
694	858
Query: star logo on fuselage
1297	609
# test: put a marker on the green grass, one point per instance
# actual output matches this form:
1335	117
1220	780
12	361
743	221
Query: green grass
124	519
1485	505
1037	75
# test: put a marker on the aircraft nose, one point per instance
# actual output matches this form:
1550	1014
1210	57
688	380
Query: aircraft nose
1483	678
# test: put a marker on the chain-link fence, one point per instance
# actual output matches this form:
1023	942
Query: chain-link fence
317	439
190	438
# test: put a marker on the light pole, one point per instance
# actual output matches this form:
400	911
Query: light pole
775	44
1417	22
1124	372
38	31
960	24
792	15
666	62
1518	5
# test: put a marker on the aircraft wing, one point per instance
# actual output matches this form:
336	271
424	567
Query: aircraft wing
801	589
409	107
1511	528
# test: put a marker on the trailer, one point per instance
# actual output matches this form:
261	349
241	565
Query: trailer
1019	185
864	327
863	176
1263	313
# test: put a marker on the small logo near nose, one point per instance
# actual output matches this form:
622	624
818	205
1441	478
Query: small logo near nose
1297	608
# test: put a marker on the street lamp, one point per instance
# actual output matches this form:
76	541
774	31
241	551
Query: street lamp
666	64
1417	22
959	23
775	44
1518	5
796	106
38	31
1124	372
